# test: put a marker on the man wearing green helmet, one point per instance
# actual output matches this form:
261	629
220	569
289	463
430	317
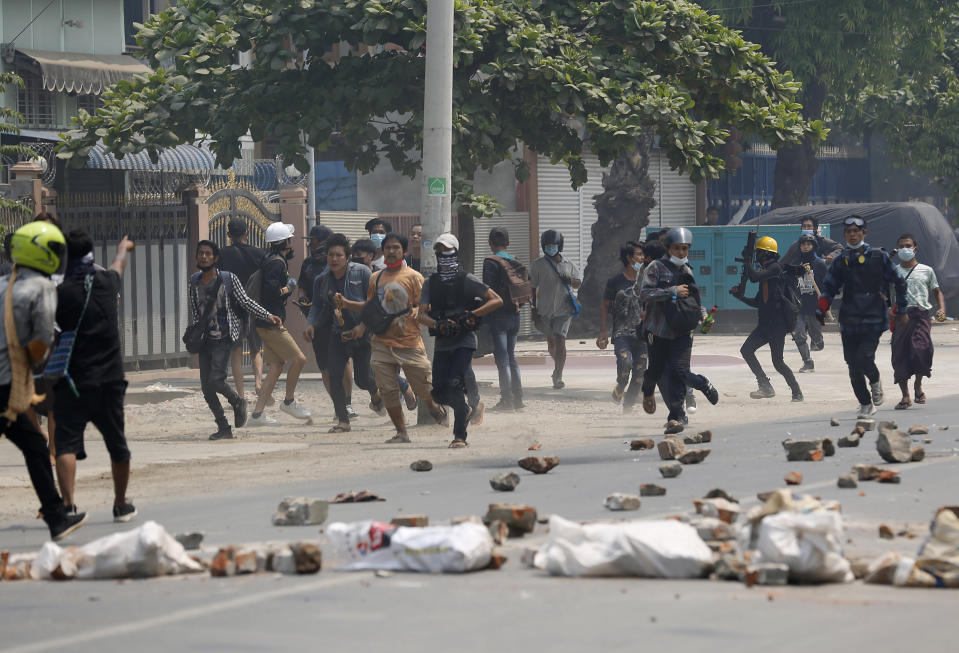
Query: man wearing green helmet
28	302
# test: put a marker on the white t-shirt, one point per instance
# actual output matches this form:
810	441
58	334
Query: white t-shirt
920	281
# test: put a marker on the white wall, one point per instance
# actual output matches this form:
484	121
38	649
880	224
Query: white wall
102	31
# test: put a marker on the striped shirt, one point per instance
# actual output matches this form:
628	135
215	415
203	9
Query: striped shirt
235	293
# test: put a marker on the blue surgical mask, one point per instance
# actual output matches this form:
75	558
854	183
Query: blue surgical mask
906	254
851	246
378	239
551	250
808	232
678	261
637	266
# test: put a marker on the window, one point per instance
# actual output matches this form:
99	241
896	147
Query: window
36	103
138	11
89	103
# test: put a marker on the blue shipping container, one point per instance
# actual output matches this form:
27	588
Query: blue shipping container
713	259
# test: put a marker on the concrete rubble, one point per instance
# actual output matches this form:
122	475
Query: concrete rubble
671	469
189	541
834	422
538	464
765	573
412	521
893	445
800	450
651	490
866	424
504	482
722	509
889	476
622	501
301	511
670	447
699	438
641	444
362	496
693	456
848	481
918	429
421	466
519	519
793	478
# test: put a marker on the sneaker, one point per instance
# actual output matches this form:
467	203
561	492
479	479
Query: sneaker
225	433
518	404
502	406
690	403
124	513
239	414
817	346
558	384
618	391
765	391
808	366
294	409
350	412
712	394
262	420
877	396
866	410
476	416
69	523
674	426
797	395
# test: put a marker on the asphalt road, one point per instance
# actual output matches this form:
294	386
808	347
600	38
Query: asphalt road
515	608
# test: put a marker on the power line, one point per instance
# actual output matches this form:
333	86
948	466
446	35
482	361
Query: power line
33	20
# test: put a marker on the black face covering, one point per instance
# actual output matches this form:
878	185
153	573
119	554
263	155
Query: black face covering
288	254
807	257
319	253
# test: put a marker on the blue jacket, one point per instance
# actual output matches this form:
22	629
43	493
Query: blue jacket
355	289
864	277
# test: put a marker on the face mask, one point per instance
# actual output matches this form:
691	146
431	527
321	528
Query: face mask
808	232
319	252
851	246
288	255
637	266
906	254
447	264
551	250
378	239
678	261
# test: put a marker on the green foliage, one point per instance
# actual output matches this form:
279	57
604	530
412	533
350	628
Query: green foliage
525	71
10	120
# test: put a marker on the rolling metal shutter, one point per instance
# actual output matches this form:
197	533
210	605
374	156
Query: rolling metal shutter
517	224
675	195
348	223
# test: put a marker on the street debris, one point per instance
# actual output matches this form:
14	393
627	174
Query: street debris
693	456
649	549
670	447
765	573
362	496
300	511
867	472
411	521
719	493
889	476
866	424
671	469
189	541
504	482
793	478
538	464
935	565
651	490
641	444
622	501
853	439
536	446
833	422
369	545
723	509
918	429
421	466
917	454
520	519
893	445
499	531
814	450
848	481
699	438
885	532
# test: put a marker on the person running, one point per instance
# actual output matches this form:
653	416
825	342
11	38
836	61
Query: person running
95	384
243	260
772	328
912	348
810	281
279	348
825	249
450	305
399	345
620	300
28	301
377	228
862	274
503	323
670	343
216	295
348	338
554	278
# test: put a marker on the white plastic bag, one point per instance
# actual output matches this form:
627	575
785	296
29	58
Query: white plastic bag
810	543
651	549
434	549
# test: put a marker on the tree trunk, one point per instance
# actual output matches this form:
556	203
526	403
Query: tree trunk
622	211
796	165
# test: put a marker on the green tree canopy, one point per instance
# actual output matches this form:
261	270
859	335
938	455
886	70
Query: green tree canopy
10	121
550	74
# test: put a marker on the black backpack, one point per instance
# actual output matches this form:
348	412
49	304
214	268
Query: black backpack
684	313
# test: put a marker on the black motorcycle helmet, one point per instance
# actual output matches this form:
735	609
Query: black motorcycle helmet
550	237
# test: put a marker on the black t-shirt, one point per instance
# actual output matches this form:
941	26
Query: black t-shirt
615	284
624	305
309	271
96	357
241	259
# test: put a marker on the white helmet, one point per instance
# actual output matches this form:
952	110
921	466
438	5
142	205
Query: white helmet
278	232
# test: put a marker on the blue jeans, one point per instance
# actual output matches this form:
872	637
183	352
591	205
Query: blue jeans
630	366
503	330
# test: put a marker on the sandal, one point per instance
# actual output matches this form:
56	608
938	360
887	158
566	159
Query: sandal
457	443
410	400
904	404
377	407
340	428
921	398
674	426
399	438
649	404
442	418
476	414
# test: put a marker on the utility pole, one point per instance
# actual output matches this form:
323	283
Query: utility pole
437	129
310	189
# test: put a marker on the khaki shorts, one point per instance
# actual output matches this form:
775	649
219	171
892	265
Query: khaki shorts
386	363
278	345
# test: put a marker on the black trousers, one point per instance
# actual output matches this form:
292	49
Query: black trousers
859	350
450	369
214	363
338	355
670	356
774	335
31	443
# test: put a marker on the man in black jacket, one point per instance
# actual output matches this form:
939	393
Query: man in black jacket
826	249
810	281
279	347
771	301
243	260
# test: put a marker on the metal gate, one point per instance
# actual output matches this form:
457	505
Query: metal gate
237	198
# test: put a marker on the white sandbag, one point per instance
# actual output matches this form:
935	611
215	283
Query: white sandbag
651	549
145	551
48	560
434	549
810	543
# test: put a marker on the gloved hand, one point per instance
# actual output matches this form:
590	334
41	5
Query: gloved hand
447	328
822	309
468	321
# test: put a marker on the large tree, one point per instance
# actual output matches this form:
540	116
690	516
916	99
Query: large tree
837	49
564	77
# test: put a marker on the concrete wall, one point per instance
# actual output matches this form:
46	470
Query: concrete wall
102	31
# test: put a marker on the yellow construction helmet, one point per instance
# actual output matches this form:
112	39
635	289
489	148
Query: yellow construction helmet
767	244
